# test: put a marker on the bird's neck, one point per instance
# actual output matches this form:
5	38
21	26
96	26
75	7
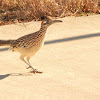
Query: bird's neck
43	29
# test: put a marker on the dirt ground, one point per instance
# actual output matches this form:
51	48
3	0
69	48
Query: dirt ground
69	60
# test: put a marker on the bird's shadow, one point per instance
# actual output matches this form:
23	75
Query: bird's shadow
4	76
19	74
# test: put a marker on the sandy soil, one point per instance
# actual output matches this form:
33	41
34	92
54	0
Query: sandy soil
69	60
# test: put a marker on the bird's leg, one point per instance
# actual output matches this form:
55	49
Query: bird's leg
28	60
22	58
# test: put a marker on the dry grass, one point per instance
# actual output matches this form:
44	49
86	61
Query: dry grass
27	10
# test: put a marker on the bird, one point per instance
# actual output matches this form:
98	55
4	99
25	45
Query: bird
29	45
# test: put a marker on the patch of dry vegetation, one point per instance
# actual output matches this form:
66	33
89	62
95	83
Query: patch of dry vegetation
27	10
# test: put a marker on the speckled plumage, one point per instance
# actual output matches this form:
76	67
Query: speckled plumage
29	42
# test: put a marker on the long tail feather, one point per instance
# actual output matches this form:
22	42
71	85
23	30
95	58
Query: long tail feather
5	42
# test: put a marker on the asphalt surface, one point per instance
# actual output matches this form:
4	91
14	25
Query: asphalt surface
69	60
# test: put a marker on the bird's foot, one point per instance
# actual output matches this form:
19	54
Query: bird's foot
35	71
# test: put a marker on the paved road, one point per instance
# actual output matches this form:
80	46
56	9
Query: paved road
69	60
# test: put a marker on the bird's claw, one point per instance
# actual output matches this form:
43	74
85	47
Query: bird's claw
35	71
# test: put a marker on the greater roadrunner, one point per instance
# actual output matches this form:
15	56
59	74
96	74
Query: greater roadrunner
29	44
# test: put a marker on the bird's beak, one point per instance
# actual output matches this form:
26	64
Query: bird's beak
57	21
